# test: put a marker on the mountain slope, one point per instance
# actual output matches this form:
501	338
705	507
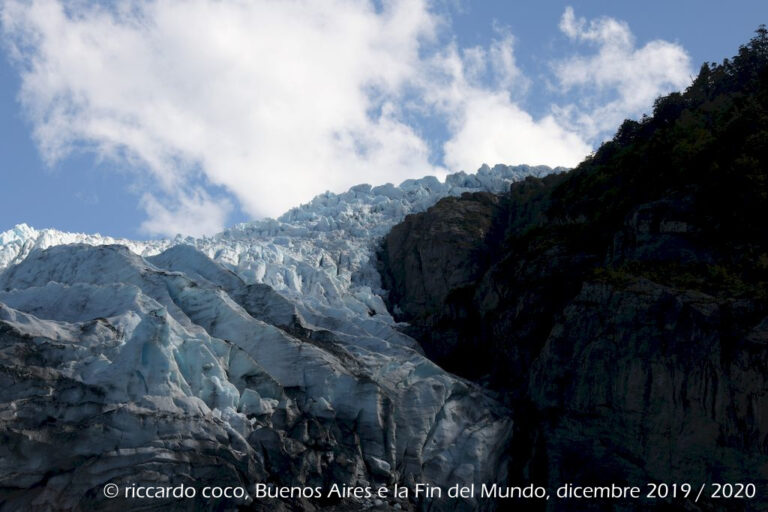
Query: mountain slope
260	355
621	306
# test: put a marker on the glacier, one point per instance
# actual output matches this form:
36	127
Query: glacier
264	353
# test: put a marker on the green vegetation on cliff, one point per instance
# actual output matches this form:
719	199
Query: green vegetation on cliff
620	308
704	153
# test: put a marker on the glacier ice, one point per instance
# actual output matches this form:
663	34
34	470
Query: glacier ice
263	353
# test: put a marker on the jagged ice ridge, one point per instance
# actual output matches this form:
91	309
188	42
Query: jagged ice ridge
264	352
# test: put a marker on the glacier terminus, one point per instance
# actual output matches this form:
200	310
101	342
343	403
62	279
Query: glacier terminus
263	354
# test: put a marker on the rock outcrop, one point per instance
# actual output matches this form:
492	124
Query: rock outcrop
613	375
621	308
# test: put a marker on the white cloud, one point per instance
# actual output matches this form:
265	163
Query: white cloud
618	81
193	214
270	100
274	102
492	129
486	125
502	54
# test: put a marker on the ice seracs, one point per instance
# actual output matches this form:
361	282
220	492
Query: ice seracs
260	354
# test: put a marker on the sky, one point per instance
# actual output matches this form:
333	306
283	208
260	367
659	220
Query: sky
144	119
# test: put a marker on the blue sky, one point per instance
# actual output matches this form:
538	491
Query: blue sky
148	119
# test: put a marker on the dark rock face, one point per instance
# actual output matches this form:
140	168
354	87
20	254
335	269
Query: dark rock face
423	272
654	384
427	269
612	377
482	306
620	308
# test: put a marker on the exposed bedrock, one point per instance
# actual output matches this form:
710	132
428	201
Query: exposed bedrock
622	364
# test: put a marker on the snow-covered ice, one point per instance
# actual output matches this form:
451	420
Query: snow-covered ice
264	352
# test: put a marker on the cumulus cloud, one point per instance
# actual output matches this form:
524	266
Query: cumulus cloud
486	124
194	214
619	80
492	128
274	102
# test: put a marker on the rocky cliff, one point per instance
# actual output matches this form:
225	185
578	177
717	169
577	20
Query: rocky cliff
619	308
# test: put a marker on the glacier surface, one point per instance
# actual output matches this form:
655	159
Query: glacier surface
264	353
